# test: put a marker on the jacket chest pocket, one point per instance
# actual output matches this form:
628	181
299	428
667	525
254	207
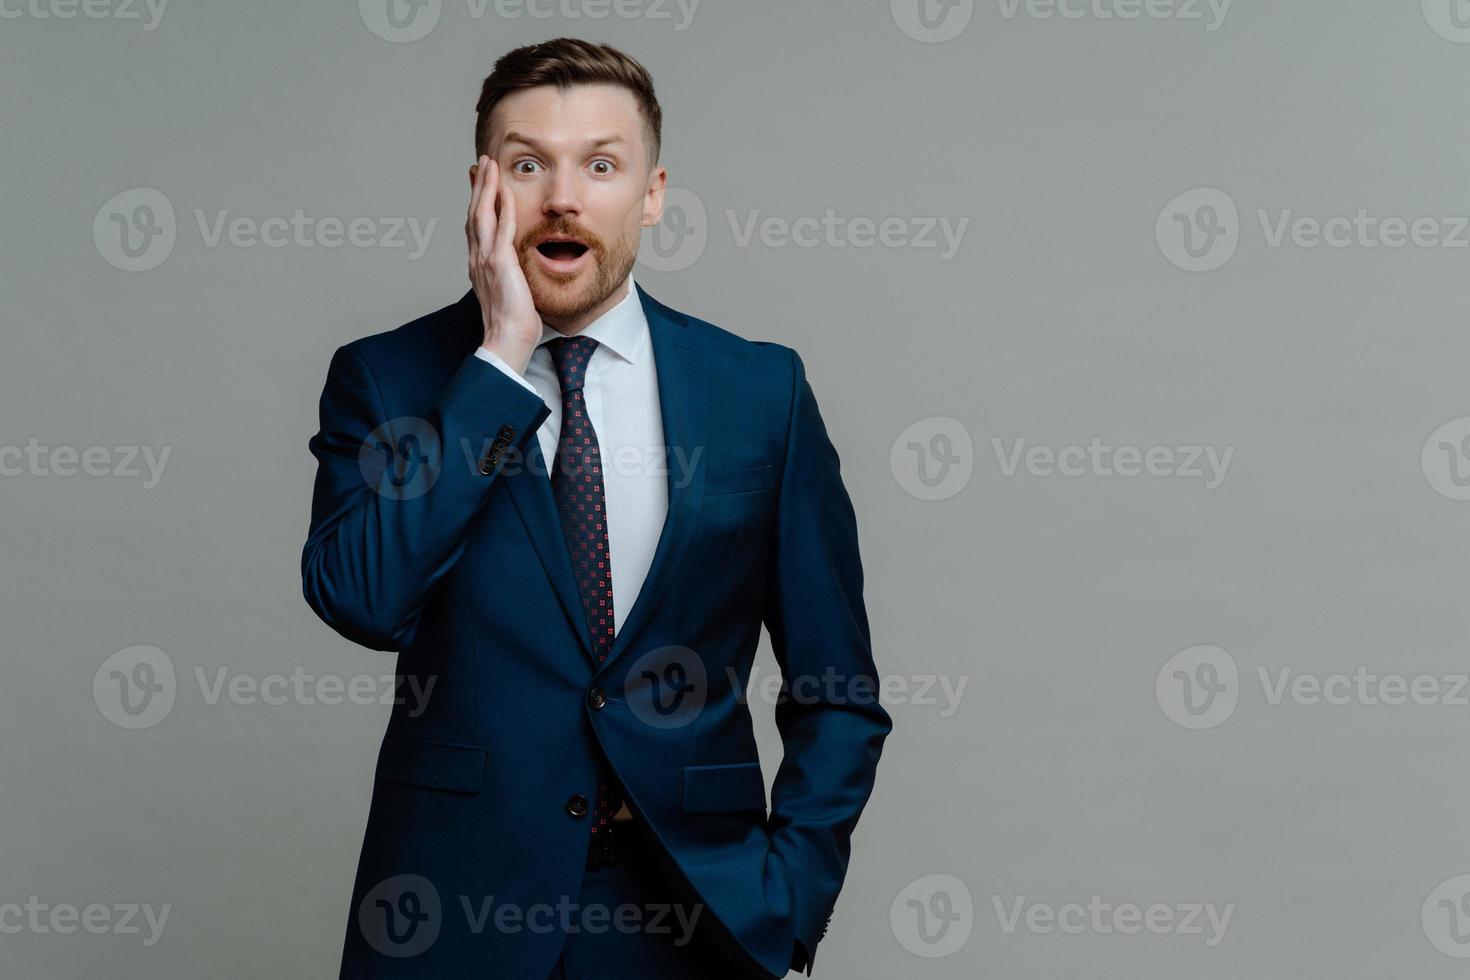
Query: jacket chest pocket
743	479
735	514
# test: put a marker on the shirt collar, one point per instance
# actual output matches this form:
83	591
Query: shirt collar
621	329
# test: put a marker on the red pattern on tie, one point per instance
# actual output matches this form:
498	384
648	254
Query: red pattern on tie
576	483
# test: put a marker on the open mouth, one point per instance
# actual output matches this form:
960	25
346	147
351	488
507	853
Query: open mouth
562	251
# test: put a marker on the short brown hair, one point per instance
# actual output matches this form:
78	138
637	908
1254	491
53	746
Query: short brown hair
564	62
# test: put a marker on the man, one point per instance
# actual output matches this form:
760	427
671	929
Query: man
575	637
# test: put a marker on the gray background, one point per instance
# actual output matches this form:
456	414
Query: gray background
1062	773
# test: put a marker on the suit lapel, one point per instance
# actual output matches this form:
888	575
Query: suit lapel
679	361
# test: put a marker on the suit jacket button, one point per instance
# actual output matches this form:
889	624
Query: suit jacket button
577	805
596	697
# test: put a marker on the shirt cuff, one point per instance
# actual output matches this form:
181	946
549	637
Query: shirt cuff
485	354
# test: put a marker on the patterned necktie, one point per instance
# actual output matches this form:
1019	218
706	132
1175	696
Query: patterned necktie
576	483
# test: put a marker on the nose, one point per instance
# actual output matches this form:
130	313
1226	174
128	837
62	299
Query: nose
562	196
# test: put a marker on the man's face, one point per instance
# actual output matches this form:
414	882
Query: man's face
576	163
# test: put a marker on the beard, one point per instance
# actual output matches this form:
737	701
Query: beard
562	296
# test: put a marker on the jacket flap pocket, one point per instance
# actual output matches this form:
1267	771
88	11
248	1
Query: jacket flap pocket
732	786
436	765
738	481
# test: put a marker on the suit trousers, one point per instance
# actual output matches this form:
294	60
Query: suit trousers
628	925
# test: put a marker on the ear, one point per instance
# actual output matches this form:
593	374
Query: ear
653	199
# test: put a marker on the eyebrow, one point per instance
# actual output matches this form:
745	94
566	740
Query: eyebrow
514	137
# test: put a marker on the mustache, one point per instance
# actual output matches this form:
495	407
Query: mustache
528	241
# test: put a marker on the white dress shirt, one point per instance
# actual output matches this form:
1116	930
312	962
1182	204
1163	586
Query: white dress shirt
621	392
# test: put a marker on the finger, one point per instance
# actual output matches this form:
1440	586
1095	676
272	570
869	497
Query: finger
475	184
485	209
471	229
505	235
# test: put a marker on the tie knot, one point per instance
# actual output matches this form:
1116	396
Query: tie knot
570	355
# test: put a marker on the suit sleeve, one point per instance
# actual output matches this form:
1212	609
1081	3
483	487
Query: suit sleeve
831	723
393	496
486	354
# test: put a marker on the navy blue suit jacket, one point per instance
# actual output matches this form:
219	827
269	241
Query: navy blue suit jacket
453	556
